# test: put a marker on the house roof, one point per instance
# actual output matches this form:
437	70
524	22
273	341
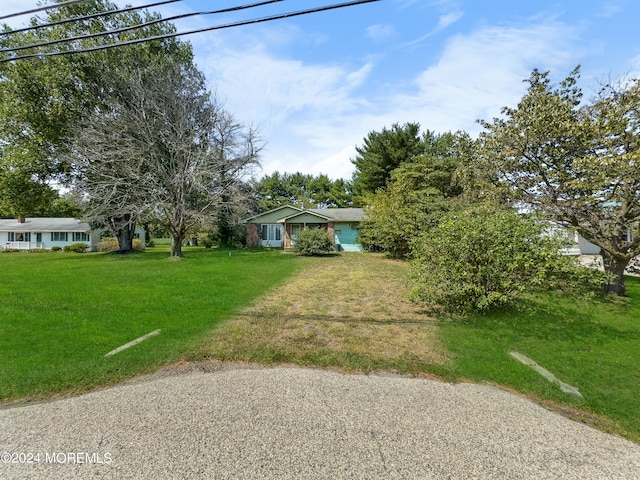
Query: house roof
341	214
44	225
288	210
289	213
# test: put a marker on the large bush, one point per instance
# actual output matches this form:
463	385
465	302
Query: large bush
110	244
481	259
76	248
314	241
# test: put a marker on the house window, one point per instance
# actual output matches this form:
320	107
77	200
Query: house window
80	237
39	237
59	236
271	233
19	237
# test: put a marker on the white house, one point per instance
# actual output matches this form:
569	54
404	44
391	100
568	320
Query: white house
45	233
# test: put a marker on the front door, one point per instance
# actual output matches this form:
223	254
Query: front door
295	230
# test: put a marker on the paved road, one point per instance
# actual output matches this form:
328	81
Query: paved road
298	423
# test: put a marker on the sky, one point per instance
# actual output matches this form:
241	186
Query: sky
316	85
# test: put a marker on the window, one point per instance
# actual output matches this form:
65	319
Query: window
39	237
59	236
19	236
271	233
80	237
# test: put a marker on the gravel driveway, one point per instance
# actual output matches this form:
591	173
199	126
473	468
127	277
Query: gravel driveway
243	423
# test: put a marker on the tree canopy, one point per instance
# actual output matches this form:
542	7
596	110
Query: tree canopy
301	190
43	100
418	191
577	161
381	153
165	150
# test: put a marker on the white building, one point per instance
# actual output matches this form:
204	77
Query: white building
45	233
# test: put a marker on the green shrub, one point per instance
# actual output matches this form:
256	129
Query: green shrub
205	239
76	248
110	244
314	241
480	260
56	248
107	244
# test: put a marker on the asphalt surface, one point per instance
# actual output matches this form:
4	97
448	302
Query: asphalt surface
298	423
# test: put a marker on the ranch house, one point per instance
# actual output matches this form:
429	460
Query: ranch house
280	227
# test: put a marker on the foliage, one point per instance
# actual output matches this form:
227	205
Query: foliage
67	205
418	192
314	241
43	99
164	149
205	239
110	244
576	161
76	248
482	259
588	342
383	152
301	190
56	248
22	193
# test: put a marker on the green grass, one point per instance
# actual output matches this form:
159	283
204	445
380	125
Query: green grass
61	313
593	345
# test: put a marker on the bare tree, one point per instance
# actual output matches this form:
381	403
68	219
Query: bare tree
165	150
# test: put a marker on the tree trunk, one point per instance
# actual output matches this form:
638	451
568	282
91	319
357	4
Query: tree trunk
125	238
615	267
178	233
124	233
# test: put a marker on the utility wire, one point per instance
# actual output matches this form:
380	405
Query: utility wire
40	9
135	27
86	17
190	32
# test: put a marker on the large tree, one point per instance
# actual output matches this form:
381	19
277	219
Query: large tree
42	100
578	161
418	192
164	149
381	153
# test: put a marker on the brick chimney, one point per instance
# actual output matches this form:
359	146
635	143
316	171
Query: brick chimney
21	219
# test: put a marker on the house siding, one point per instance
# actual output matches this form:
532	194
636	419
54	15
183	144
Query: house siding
34	226
346	238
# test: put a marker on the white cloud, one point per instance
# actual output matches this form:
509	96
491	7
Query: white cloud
450	18
313	115
380	32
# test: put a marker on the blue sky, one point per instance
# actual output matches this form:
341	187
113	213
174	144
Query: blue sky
316	85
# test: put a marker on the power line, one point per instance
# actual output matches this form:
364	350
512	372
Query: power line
135	27
191	32
86	17
41	9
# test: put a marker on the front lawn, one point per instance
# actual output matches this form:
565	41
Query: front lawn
61	313
351	313
593	345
